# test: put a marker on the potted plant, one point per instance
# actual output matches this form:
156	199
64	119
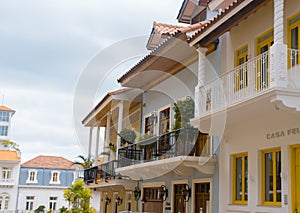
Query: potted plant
127	136
184	111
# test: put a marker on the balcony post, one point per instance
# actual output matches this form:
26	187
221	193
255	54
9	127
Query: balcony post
90	143
278	51
120	126
107	134
97	147
200	95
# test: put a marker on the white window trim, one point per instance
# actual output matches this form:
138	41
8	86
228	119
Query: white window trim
35	176
170	116
53	201
58	177
176	182
201	180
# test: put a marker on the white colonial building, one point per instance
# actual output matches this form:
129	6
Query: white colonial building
10	160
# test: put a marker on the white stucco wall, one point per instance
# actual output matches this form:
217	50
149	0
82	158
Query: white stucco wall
41	196
253	136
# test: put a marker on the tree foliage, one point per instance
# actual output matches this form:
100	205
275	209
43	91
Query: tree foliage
184	111
78	198
85	162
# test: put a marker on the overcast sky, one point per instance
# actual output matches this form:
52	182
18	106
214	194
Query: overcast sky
45	47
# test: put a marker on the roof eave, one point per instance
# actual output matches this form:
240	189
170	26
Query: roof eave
135	69
223	22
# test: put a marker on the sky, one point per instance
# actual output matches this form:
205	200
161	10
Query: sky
46	46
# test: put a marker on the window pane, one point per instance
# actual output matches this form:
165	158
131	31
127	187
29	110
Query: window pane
3	130
268	177
294	38
278	176
246	178
238	179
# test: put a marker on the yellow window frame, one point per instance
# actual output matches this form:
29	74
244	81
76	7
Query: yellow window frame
264	39
241	53
292	23
234	157
263	185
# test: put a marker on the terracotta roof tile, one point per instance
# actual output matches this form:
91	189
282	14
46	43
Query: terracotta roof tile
168	29
5	108
151	54
8	155
224	12
49	162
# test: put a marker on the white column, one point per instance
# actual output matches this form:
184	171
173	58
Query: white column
90	143
120	126
97	147
278	51
107	135
200	95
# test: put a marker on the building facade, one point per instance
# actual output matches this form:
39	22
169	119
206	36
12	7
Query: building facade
168	167
239	61
10	160
42	182
252	103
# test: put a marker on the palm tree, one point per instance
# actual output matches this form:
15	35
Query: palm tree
85	162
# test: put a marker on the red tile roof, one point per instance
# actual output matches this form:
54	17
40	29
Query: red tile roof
49	162
9	155
168	29
5	108
175	33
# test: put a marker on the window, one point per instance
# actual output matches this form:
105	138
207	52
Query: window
4	116
32	176
52	203
55	177
149	125
4	201
264	42
241	75
3	130
293	40
29	202
240	178
271	177
6	173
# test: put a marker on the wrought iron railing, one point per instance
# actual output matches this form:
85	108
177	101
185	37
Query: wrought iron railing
101	172
181	142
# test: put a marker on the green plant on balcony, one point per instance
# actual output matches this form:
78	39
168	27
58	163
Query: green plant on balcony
10	145
184	111
127	136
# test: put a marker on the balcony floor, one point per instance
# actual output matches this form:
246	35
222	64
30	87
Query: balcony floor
114	185
267	103
181	165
